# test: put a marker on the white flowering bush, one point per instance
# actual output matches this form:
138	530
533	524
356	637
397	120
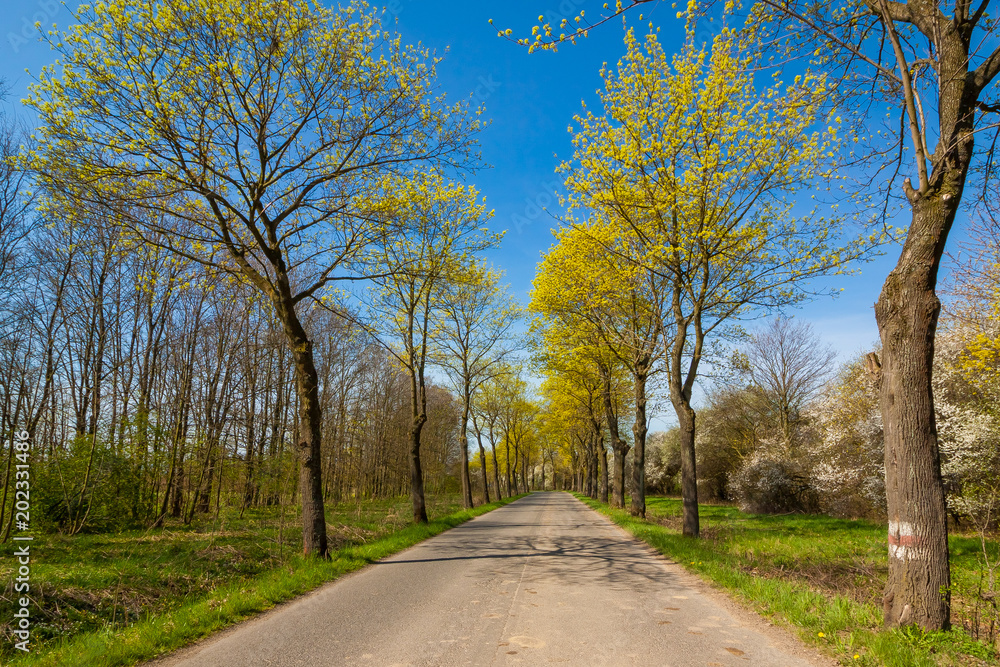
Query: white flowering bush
663	462
848	468
965	397
766	484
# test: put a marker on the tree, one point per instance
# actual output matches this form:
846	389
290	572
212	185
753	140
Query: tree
544	36
486	417
580	368
503	410
445	225
937	65
574	416
788	362
690	159
477	315
249	137
623	303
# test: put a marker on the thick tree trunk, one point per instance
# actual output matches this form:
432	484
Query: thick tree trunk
308	445
314	542
416	471
638	504
918	587
618	479
689	473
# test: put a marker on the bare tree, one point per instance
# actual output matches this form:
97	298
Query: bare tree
789	363
477	315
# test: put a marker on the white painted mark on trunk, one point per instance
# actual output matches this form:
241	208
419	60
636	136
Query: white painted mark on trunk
904	542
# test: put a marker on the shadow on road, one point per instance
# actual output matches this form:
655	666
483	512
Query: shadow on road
549	548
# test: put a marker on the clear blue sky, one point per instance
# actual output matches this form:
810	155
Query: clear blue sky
531	100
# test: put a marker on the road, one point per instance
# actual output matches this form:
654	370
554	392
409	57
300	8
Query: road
544	580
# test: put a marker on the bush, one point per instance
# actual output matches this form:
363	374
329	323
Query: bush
663	463
765	485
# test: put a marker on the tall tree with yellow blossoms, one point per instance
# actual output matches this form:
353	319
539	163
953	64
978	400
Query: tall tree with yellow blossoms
582	276
573	353
697	163
445	225
573	416
251	136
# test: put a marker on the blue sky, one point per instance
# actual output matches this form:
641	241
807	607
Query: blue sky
530	98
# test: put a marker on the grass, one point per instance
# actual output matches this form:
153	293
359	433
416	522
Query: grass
108	600
820	575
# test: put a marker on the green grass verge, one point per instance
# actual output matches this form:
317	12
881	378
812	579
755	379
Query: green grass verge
820	575
193	617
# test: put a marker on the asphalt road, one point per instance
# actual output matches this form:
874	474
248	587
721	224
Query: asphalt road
544	580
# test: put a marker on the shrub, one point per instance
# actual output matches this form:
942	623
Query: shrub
765	485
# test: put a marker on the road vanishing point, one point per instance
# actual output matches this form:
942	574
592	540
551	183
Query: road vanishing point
544	580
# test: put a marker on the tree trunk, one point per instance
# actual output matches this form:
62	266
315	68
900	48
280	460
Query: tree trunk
496	468
918	587
416	471
463	440
515	477
208	473
310	470
314	541
689	473
482	461
638	504
618	479
507	464
618	447
602	460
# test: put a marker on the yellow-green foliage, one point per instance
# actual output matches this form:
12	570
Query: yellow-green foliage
690	164
242	131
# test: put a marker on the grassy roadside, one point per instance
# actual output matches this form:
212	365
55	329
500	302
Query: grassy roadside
206	580
819	575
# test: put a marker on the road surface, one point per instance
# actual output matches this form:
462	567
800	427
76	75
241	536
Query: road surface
544	580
